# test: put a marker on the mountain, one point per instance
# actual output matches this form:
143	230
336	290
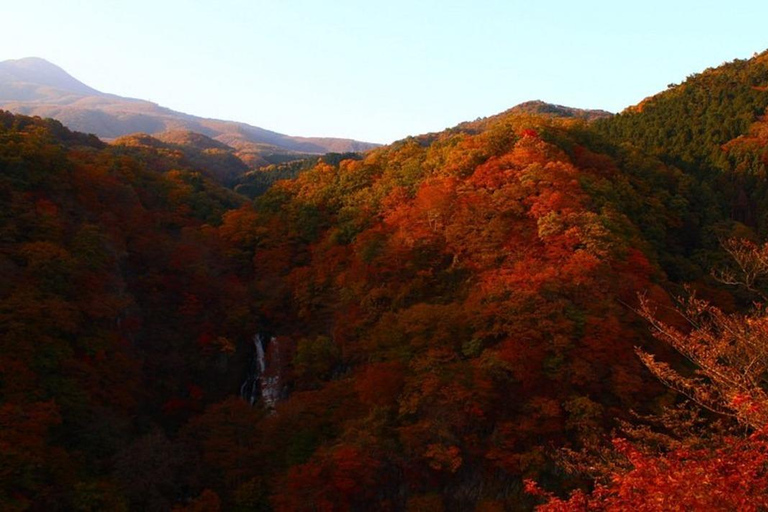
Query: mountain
35	79
711	126
689	122
423	327
428	315
462	304
33	86
543	108
184	149
89	234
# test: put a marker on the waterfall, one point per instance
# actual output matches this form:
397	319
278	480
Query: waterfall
270	381
250	389
263	381
261	358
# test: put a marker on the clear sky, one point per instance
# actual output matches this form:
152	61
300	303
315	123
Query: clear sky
379	71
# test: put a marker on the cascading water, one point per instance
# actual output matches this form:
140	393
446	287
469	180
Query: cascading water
271	385
263	379
250	390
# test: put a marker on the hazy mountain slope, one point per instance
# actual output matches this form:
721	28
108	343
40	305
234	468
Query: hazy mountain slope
36	79
34	86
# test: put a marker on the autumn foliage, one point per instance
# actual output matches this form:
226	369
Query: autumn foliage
444	318
733	476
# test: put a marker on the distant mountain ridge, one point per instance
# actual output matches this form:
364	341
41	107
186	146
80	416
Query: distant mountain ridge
31	78
34	86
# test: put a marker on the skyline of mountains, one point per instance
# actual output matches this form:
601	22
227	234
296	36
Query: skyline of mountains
33	86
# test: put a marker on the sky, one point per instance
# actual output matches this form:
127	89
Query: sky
380	71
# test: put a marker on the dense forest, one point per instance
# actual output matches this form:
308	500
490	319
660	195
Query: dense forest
535	309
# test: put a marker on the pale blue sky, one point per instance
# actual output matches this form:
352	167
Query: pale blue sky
380	71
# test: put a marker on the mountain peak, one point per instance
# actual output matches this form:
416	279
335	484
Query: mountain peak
551	109
38	63
34	86
22	77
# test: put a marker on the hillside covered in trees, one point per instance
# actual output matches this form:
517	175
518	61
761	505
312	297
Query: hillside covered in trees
485	318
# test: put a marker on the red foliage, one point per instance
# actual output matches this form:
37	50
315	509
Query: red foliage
733	476
381	383
529	132
333	482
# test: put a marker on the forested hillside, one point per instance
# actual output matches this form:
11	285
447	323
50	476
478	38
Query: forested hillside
689	122
422	328
119	315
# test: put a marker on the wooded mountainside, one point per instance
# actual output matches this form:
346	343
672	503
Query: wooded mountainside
475	319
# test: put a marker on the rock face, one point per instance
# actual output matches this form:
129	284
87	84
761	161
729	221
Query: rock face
34	86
